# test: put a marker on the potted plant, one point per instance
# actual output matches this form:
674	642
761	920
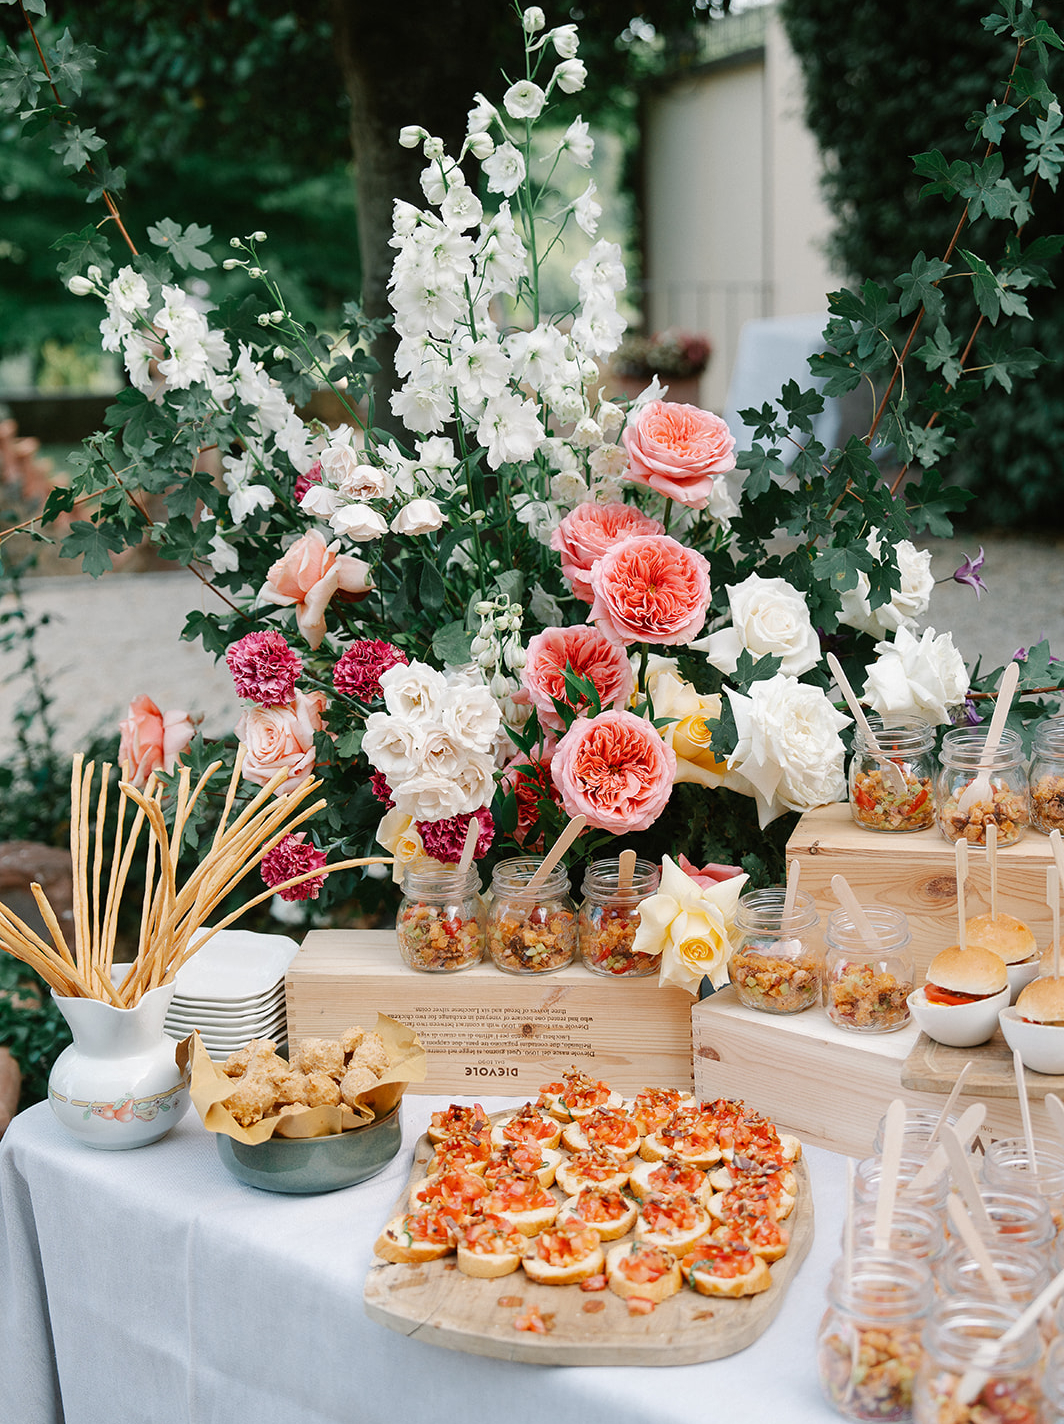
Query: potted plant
677	358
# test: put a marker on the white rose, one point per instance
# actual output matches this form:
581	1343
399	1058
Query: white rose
769	616
420	516
392	746
412	692
321	501
907	603
359	522
472	717
917	677
475	782
442	751
789	751
428	796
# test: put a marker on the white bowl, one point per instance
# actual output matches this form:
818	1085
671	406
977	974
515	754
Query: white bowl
1040	1046
1022	974
958	1025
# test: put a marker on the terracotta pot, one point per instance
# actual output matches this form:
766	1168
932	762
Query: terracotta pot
10	1087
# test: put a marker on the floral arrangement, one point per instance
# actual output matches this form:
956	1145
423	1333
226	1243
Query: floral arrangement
666	353
542	603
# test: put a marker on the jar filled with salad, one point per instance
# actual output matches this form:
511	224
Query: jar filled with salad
1046	776
776	965
867	985
876	801
609	918
967	1375
440	923
962	757
531	926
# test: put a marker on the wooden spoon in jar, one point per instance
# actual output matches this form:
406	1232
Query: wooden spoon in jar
980	788
893	771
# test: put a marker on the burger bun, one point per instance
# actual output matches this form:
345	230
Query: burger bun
1003	934
1042	1001
968	971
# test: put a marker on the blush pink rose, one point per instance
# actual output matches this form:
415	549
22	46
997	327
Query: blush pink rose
588	531
677	449
711	874
615	770
152	740
282	738
650	589
307	577
590	654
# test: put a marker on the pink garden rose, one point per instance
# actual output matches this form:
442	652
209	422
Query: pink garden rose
282	737
650	589
308	575
615	770
152	740
588	531
590	653
677	449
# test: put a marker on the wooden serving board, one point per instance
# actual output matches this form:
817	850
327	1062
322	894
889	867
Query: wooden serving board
934	1068
435	1302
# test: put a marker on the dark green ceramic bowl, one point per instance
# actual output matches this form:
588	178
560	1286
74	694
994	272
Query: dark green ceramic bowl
307	1165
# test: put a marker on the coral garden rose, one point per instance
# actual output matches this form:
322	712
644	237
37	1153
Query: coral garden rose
650	589
588	531
308	575
677	449
282	738
691	925
152	740
590	654
769	616
615	770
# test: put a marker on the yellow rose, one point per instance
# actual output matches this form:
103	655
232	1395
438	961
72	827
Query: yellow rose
689	734
399	835
690	927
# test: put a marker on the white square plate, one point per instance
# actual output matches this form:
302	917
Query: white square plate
235	965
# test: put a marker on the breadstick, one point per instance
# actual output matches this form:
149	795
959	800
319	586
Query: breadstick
50	918
97	863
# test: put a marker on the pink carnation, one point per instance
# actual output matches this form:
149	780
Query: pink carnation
650	589
380	788
359	668
588	531
291	857
677	449
445	839
615	770
264	668
590	654
304	482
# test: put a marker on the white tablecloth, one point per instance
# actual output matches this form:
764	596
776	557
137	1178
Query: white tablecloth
151	1286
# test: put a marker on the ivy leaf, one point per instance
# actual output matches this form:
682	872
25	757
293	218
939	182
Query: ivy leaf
19	83
762	466
947	178
93	544
838	566
70	62
1045	155
991	124
919	287
801	405
764	422
980	189
214	636
1001	363
940	352
184	541
101	179
84	249
297	384
74	146
1029	85
349	744
929	444
183	244
839	374
135	415
431	588
985	287
451	644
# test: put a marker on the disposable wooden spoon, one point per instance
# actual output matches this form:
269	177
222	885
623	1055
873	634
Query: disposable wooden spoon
895	775
794	871
1025	1110
955	1093
980	789
961	859
893	1133
977	1247
625	869
968	1124
861	923
974	1378
991	860
472	835
964	1180
1053	896
557	850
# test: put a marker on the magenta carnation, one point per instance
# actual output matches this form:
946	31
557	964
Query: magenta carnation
383	792
359	669
304	482
291	857
445	839
264	668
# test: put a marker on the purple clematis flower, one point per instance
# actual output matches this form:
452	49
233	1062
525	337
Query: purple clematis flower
969	573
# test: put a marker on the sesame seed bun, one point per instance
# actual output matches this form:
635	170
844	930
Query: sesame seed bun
1005	935
968	971
1042	1001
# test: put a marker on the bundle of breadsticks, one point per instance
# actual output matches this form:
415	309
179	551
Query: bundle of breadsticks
172	915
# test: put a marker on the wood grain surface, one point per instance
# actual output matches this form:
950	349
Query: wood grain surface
436	1303
933	1068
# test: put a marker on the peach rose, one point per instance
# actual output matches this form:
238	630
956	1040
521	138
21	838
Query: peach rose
677	449
615	770
588	531
650	589
279	737
308	575
590	654
152	740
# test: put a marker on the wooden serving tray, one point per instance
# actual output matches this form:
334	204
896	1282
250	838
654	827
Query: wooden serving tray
934	1068
436	1303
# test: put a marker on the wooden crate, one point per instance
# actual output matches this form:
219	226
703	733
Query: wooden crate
829	1086
915	872
493	1032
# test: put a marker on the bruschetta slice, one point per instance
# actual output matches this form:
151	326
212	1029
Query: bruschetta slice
520	1200
637	1270
725	1268
489	1247
609	1211
565	1255
590	1169
527	1122
675	1223
423	1235
607	1129
666	1177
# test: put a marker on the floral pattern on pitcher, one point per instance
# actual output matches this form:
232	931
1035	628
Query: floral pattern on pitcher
125	1109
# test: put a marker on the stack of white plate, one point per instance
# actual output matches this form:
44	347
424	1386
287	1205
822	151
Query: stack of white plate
232	990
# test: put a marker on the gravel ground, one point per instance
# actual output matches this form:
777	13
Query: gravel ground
109	640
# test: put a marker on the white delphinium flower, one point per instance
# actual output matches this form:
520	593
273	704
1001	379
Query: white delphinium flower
114	329
247	499
405	218
586	433
533	19
186	364
480	371
567	400
608	462
601	273
461	208
138	354
510	430
502	259
599	327
481	116
480	145
505	170
410	135
401	469
565	39
222	557
611	417
81	286
537	354
587	211
524	100
560	456
422	406
436	464
438	178
568	490
540	517
570	76
128	292
578	143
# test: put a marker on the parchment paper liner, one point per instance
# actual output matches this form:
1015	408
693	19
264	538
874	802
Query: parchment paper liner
209	1086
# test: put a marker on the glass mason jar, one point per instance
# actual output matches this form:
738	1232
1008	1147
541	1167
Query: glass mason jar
932	1195
440	922
530	932
1022	1219
776	967
1046	776
866	989
1010	1385
915	1230
1006	1164
909	742
1024	1270
868	1344
960	761
609	918
920	1123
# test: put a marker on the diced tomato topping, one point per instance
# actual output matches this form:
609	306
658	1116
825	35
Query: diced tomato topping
644	1263
531	1320
639	1305
597	1282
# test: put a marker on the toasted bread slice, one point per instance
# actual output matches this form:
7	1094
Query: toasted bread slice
564	1256
527	1122
588	1169
654	1147
635	1269
399	1242
727	1176
674	1223
610	1212
665	1177
765	1237
722	1205
724	1269
489	1247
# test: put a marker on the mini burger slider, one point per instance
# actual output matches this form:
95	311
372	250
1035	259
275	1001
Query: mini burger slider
963	976
1042	1002
1004	934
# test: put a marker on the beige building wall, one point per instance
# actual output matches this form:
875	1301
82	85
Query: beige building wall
735	224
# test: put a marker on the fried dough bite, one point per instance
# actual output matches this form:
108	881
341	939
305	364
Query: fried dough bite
320	1055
